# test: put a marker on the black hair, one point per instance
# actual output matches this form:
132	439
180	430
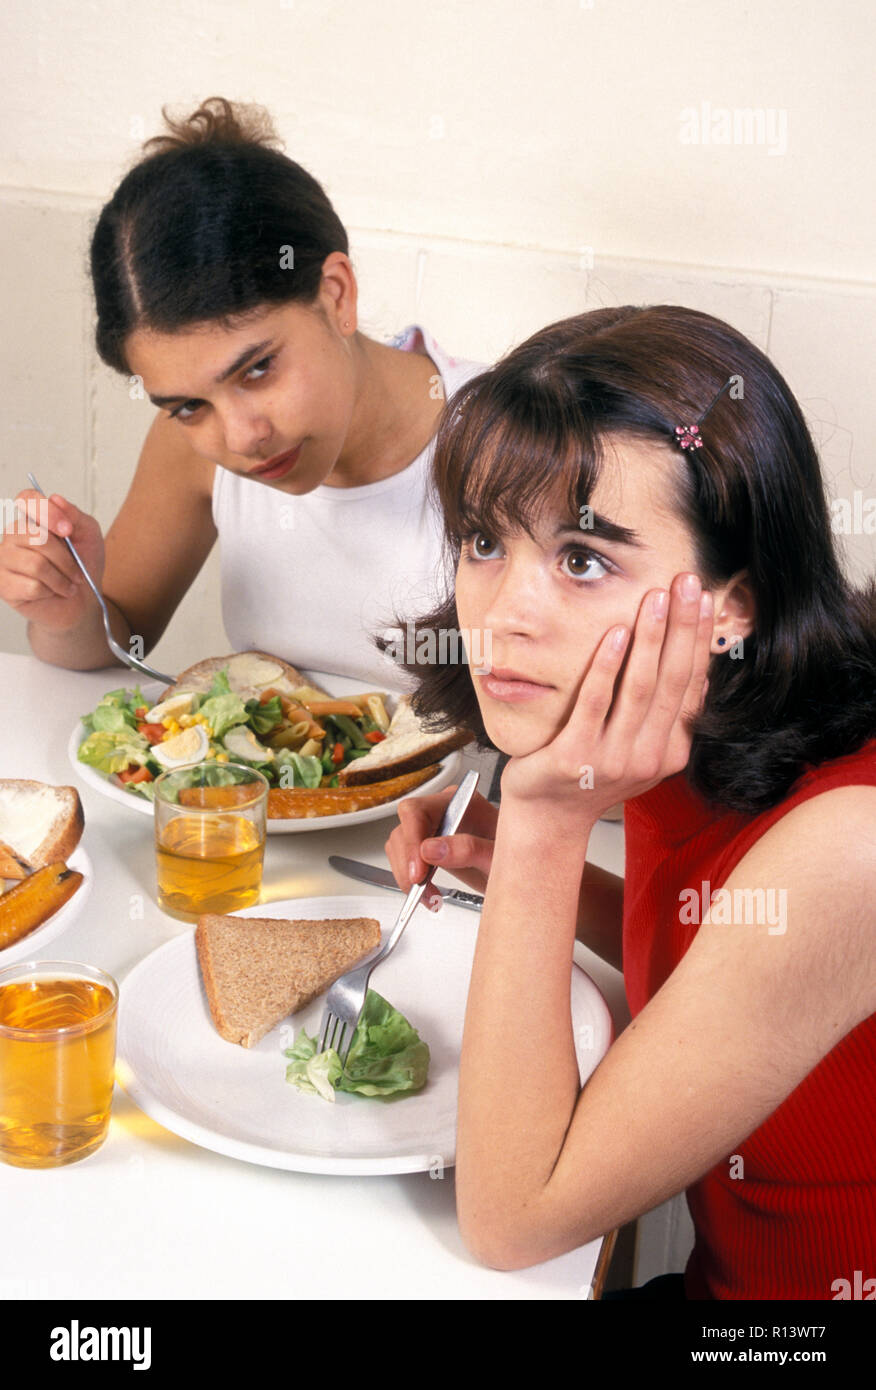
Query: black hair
753	498
210	224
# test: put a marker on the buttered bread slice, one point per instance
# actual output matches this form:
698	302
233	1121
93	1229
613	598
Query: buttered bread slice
39	823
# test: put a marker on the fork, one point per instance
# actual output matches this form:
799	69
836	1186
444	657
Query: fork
346	998
117	650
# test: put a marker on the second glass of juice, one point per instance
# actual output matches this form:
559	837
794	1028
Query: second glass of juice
210	822
57	1055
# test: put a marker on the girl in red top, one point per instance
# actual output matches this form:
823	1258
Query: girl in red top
670	628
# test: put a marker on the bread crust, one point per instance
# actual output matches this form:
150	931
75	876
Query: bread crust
355	775
203	672
61	843
279	964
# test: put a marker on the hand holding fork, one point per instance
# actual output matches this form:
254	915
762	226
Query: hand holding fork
346	998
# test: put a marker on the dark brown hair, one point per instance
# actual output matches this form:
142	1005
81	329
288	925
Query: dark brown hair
753	498
195	231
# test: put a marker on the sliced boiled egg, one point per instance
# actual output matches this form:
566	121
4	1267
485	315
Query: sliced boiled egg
191	746
242	743
170	709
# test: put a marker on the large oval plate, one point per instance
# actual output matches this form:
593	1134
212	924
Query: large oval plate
236	1101
448	770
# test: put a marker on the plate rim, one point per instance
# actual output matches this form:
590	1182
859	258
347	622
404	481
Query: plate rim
62	918
248	1151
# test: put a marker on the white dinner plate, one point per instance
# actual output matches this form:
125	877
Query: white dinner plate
236	1101
448	770
33	946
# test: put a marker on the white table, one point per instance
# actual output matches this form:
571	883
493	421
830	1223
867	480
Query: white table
162	1218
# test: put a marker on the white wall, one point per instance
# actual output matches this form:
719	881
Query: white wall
552	124
498	165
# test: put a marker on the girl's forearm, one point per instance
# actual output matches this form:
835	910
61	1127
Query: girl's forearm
519	1078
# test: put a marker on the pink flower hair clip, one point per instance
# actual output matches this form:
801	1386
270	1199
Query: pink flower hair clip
688	436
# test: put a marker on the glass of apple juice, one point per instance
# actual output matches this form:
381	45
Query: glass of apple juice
210	822
57	1061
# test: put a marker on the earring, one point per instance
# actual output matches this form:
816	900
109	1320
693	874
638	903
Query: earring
722	641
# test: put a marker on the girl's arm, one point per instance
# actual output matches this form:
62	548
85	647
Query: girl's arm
468	854
152	554
543	1167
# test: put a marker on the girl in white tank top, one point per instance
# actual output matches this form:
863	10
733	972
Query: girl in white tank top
310	578
224	288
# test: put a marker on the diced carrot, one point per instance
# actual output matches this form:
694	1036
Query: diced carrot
375	736
338	753
154	732
134	774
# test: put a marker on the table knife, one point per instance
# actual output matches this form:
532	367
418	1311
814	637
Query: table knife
368	873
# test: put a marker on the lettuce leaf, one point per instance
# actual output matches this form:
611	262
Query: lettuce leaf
221	685
112	719
310	1071
306	770
387	1057
264	718
112	751
116	710
222	712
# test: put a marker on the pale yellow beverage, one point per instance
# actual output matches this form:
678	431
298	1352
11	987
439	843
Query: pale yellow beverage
209	864
57	1060
210	822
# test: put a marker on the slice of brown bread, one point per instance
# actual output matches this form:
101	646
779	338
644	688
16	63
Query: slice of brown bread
257	970
200	676
408	746
41	823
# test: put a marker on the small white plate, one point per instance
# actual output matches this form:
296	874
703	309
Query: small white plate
236	1101
33	946
448	770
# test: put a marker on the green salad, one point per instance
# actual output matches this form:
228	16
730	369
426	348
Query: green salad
280	736
386	1057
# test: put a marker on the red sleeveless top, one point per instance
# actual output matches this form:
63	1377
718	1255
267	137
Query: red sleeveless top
804	1214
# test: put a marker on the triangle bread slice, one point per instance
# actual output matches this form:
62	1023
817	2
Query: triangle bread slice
257	970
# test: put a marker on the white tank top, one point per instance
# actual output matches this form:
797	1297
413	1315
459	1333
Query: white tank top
310	578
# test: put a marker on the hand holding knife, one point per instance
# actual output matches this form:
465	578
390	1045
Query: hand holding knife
382	878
